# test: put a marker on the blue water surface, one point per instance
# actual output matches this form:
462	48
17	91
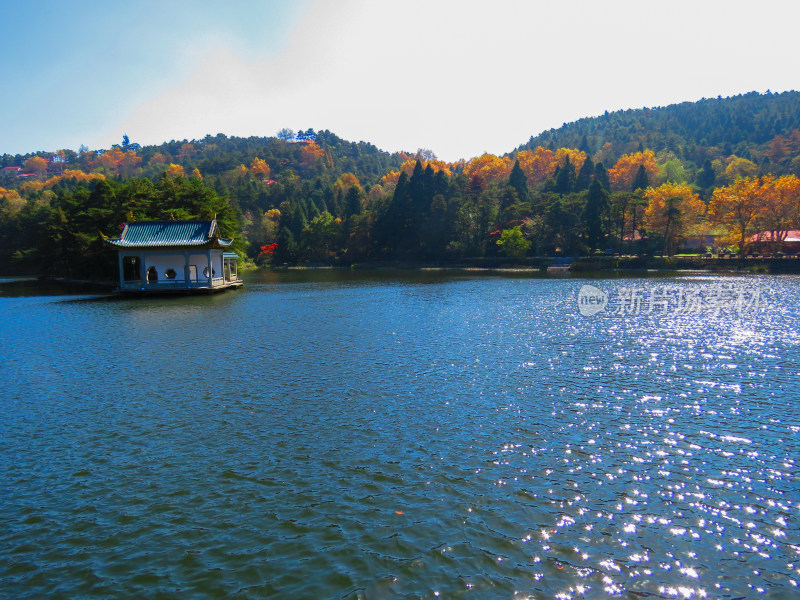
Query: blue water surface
326	434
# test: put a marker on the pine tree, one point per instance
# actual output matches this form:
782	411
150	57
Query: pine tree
584	147
706	176
641	181
565	180
584	178
593	214
601	177
519	182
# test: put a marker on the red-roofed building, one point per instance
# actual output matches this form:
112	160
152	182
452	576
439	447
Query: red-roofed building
765	241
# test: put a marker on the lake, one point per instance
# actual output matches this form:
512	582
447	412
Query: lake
389	434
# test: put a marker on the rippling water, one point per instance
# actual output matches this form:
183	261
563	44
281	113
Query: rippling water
399	435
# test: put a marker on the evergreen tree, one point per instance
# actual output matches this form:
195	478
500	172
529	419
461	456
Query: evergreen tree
287	250
584	178
594	214
641	181
565	179
353	202
601	177
584	147
519	182
706	176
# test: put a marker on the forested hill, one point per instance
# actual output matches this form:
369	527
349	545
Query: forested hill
647	180
746	125
306	154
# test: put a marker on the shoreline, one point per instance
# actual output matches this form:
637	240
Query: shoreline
544	266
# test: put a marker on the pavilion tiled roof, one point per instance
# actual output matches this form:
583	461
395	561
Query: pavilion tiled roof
170	234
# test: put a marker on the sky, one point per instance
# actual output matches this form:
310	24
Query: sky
458	77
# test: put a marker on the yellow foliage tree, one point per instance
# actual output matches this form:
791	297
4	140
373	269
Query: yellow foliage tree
36	164
260	168
780	207
537	165
623	173
312	153
9	194
10	202
489	168
73	175
672	208
346	181
576	158
736	208
740	167
175	170
389	181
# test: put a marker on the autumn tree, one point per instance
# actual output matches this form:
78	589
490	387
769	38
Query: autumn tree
740	167
575	157
623	174
489	168
780	207
736	207
175	170
538	165
260	168
312	153
672	209
36	165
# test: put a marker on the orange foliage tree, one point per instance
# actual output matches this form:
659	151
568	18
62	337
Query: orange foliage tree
489	168
312	153
757	204
623	173
780	207
736	208
672	209
74	175
537	165
36	164
389	181
118	161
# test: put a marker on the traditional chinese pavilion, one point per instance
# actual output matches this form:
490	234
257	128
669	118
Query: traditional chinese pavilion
174	256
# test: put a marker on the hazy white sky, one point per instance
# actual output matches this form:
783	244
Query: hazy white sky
460	77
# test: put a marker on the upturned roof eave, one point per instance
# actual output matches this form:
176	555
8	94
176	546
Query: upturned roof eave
213	244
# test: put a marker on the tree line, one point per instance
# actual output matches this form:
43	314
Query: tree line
311	197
